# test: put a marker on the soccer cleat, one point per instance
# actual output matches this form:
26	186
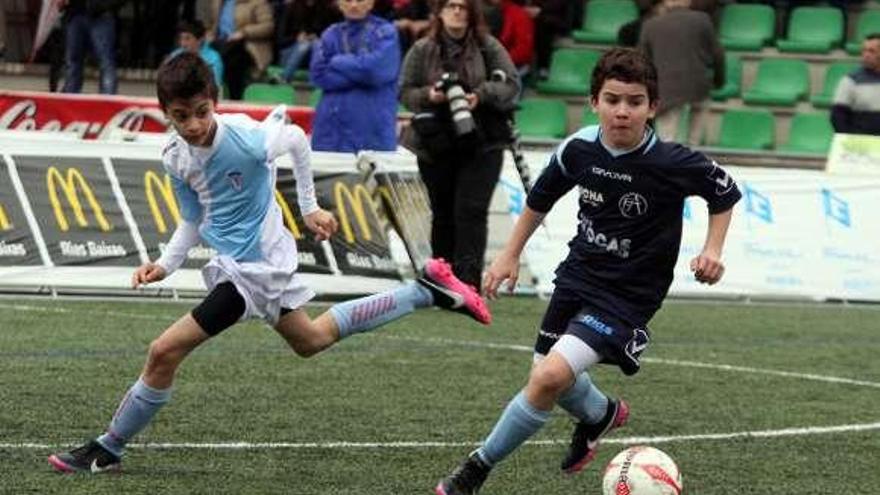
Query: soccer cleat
585	439
466	479
451	293
91	458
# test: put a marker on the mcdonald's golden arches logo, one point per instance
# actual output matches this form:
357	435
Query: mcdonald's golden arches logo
152	183
289	220
5	224
69	184
356	198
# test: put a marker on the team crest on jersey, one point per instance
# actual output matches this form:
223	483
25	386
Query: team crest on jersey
723	182
236	180
632	205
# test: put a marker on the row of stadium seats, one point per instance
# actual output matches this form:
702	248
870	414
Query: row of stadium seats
747	129
810	29
747	27
779	81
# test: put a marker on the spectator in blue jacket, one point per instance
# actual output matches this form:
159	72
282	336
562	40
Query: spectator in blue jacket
356	65
191	38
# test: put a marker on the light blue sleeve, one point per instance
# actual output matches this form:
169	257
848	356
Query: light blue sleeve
188	200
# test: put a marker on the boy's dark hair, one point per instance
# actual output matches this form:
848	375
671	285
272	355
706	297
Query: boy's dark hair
626	65
873	36
194	27
184	76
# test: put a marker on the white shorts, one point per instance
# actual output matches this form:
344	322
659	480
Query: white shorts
266	288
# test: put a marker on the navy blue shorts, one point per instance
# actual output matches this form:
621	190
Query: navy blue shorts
618	342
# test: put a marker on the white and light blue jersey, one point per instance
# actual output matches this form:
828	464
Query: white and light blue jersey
226	194
227	190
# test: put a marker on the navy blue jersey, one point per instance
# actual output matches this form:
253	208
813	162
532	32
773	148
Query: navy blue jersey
630	217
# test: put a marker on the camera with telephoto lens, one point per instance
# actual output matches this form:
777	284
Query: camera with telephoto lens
462	118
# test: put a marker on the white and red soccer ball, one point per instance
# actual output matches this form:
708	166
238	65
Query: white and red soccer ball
641	470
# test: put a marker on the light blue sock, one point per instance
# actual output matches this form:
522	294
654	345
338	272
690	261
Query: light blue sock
135	411
584	401
368	313
518	422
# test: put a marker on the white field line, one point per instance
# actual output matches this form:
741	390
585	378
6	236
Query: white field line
785	432
671	362
511	347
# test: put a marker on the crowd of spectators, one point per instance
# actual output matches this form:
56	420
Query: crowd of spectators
240	39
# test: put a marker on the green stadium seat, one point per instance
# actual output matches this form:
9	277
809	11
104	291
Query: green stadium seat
589	117
732	78
314	98
779	82
813	30
833	75
541	118
570	71
269	93
869	22
810	133
602	20
747	27
747	129
274	73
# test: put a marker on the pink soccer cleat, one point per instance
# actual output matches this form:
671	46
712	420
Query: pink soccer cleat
453	294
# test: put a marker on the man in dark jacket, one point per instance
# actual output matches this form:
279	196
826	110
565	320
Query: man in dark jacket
684	47
90	23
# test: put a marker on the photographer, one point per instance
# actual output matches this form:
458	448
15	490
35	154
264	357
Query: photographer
461	86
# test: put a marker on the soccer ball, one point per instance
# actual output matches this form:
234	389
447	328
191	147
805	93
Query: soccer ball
641	470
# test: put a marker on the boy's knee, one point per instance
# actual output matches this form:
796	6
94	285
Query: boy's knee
548	381
304	349
162	354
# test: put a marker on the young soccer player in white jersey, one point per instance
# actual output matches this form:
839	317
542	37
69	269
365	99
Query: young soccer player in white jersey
619	267
222	169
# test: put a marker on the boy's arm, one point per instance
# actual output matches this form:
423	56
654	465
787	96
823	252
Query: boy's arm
291	139
506	264
187	233
551	185
707	266
184	238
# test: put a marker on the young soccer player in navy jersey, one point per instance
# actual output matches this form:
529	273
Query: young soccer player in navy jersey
619	267
223	173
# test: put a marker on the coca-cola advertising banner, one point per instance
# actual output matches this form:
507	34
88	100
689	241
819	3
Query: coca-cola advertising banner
101	116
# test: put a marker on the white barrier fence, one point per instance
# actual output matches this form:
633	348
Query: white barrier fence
795	233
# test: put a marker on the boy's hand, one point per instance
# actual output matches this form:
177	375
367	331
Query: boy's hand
504	267
322	223
707	267
147	274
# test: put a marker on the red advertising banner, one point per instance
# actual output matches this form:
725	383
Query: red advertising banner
100	116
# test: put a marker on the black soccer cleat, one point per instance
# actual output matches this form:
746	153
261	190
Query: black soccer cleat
585	439
90	458
466	479
451	293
